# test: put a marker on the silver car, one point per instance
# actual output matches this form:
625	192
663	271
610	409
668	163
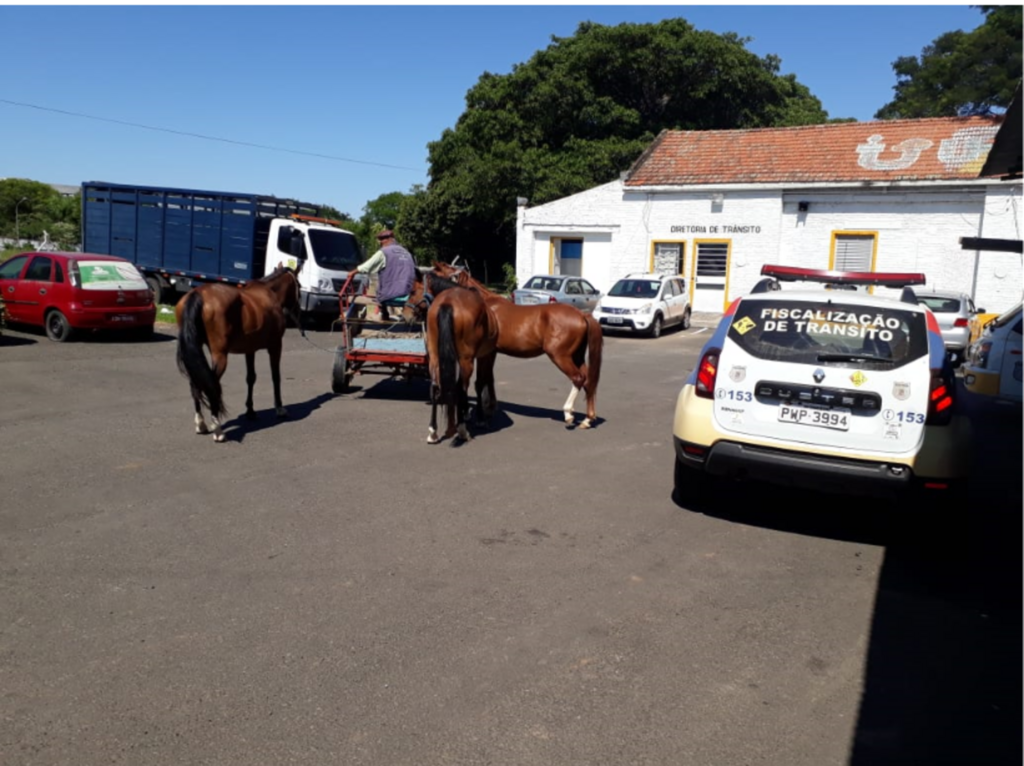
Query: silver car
955	313
557	288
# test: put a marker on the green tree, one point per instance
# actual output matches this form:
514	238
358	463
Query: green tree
579	113
26	207
961	72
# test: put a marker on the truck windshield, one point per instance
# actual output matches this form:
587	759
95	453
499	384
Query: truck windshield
334	249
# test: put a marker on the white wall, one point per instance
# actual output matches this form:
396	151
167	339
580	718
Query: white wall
917	230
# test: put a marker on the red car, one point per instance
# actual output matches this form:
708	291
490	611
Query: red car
68	292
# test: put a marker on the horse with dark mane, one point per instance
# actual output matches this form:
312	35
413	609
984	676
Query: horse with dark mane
460	331
563	332
233	320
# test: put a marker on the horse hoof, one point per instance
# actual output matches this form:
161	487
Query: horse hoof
219	438
282	412
586	423
433	439
202	430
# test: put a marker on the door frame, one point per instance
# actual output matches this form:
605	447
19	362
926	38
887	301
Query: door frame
728	267
551	253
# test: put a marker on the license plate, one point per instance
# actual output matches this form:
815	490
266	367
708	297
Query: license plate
614	320
837	419
123	317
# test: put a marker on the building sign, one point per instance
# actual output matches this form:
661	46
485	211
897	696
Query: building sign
725	228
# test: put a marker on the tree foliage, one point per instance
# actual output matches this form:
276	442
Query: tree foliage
578	114
961	72
28	208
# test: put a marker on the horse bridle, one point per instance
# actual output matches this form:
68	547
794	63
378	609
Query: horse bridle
423	304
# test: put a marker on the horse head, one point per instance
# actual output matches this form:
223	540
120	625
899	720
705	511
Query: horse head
424	289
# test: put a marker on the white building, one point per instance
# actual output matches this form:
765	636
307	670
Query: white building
714	206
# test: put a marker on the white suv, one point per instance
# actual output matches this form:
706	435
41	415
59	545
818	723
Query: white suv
645	303
825	388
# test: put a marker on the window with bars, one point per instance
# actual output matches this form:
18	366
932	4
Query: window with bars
712	259
668	258
854	252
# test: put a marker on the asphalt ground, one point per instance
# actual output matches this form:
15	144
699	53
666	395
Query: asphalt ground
329	589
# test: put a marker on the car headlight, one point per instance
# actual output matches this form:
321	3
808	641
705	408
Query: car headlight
324	285
598	306
645	309
984	349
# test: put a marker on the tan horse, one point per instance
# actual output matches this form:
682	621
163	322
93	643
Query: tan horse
233	320
564	333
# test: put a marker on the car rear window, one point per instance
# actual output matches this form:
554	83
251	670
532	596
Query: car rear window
941	305
544	283
110	275
812	332
635	288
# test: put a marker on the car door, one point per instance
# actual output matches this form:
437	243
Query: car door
33	290
573	293
10	282
668	297
590	295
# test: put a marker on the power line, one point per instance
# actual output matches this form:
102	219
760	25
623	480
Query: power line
204	137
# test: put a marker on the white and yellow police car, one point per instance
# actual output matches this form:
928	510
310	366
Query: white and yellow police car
823	386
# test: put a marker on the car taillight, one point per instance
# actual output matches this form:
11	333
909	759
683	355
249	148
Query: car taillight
73	273
940	401
513	296
961	322
552	299
707	372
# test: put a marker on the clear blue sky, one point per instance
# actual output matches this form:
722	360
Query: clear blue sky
372	84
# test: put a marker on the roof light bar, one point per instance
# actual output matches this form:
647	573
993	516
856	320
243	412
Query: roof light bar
880	278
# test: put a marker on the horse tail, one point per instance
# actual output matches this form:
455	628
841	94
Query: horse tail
595	344
192	360
447	356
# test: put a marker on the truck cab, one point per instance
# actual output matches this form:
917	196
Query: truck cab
327	252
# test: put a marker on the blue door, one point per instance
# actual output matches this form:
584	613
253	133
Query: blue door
571	260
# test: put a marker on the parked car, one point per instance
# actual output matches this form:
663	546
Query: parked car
993	363
957	316
645	303
839	391
65	293
557	288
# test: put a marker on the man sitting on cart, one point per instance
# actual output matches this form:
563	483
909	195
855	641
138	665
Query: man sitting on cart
397	271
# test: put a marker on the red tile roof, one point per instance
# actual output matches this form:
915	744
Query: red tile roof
941	148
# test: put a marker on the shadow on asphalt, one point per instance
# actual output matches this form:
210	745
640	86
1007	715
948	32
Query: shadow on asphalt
89	336
943	673
236	429
6	339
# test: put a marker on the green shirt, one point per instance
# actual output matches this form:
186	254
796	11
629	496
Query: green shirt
373	264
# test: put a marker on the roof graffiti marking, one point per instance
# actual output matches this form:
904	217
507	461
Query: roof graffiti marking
910	150
967	149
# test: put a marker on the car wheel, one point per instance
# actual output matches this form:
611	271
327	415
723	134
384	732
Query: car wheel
57	327
157	288
686	319
655	330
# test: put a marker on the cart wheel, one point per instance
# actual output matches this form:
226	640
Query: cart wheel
341	378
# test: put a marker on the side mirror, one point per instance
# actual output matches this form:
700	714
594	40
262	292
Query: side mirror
979	311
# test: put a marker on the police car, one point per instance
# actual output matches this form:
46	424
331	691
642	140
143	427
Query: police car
823	386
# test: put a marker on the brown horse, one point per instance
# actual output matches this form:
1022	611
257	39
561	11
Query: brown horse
561	331
460	331
234	320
